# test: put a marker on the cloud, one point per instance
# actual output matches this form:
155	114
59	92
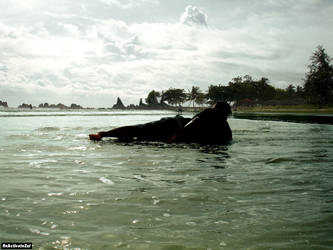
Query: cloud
193	16
128	4
66	56
96	63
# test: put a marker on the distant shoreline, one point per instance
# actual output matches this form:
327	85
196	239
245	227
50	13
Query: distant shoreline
310	109
299	114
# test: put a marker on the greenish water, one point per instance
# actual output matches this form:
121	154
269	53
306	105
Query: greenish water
271	188
287	117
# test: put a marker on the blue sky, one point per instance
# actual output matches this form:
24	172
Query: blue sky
91	51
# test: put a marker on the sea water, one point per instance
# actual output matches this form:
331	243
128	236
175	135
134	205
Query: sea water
270	188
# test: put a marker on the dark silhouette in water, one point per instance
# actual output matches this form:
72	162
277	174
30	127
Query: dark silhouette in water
160	130
208	127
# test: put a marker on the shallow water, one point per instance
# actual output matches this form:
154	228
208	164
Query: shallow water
271	188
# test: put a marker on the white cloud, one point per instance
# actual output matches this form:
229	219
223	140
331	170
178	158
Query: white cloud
193	16
64	56
72	29
128	4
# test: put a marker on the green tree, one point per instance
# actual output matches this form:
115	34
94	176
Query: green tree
152	97
291	91
318	83
299	91
196	96
280	94
217	93
240	89
174	96
265	91
201	99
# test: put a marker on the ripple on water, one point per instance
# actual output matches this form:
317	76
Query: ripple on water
85	136
177	196
37	231
79	148
55	194
46	129
20	136
106	181
43	162
280	159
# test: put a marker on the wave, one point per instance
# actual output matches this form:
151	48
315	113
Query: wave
42	113
279	159
106	181
46	129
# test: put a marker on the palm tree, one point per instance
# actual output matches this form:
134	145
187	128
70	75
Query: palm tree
193	95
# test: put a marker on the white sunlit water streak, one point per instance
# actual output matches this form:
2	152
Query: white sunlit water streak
270	188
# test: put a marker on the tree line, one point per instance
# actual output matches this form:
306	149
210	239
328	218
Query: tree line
317	88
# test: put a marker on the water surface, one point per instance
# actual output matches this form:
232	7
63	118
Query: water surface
271	188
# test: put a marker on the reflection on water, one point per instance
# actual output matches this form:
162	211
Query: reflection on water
270	188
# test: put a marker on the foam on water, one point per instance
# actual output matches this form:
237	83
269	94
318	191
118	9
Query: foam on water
106	181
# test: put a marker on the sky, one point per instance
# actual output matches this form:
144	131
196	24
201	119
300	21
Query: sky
89	52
